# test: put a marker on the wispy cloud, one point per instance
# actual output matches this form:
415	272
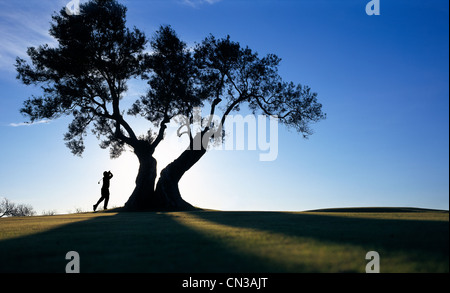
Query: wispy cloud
23	24
44	121
197	3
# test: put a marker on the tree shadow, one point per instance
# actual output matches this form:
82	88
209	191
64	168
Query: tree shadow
147	242
385	233
158	242
424	238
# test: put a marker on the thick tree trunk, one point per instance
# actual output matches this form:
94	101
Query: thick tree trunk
166	195
144	197
167	186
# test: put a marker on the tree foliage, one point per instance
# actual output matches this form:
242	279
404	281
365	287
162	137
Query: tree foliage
236	76
86	76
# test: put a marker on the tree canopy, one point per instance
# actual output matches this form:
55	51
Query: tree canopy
87	73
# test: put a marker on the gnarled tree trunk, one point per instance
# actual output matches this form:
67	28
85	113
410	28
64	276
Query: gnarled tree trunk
143	196
167	186
166	196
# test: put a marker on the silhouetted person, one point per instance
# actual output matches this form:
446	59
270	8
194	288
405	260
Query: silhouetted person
105	190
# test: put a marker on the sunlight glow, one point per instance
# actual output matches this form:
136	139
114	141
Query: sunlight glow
276	249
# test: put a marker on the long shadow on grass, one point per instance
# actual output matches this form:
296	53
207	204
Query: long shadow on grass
158	242
430	236
426	236
126	242
421	240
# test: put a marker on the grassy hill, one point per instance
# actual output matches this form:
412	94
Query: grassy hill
379	210
332	240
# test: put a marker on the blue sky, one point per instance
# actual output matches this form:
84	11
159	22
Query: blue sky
382	80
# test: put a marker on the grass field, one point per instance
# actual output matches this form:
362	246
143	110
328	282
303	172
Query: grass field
215	241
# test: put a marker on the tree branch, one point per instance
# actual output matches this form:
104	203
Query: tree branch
234	84
230	108
162	128
211	114
264	109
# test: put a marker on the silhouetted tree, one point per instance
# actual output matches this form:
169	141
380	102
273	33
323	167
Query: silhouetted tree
237	76
86	76
6	207
10	209
175	88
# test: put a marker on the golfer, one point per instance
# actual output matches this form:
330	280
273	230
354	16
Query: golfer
107	175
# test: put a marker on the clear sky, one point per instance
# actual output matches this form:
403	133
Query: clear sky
382	80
